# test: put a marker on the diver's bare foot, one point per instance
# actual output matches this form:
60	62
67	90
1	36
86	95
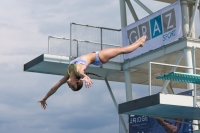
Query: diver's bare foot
142	40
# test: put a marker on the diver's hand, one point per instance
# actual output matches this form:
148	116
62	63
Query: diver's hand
43	103
88	81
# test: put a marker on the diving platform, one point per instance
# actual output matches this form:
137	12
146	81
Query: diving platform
114	71
162	105
57	65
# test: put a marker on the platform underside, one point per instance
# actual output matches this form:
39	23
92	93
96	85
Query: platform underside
162	105
57	65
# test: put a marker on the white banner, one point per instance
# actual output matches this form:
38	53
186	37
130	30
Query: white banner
161	28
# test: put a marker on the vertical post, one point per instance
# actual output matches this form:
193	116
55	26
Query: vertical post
195	127
128	85
101	41
190	9
194	72
187	51
70	57
193	16
186	31
149	78
199	19
77	47
101	37
48	45
126	73
185	18
188	63
123	13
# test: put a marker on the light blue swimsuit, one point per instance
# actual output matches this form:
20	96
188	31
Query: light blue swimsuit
97	62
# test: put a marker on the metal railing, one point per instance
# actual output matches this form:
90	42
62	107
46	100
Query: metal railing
95	38
85	39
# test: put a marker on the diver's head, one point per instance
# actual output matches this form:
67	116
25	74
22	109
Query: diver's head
75	84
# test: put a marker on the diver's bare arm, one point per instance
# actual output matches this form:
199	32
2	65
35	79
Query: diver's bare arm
81	73
53	90
56	86
85	78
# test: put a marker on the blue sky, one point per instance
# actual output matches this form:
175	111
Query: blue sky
24	29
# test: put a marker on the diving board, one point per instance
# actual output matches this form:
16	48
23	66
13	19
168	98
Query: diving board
181	77
162	105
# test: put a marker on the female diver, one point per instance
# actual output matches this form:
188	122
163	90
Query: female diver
75	74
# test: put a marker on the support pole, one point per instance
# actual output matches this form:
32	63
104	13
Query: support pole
199	20
190	9
123	24
128	85
101	40
172	70
149	78
126	72
194	72
186	32
77	48
188	63
132	10
49	44
195	127
193	16
101	37
185	18
116	105
123	13
70	57
187	51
